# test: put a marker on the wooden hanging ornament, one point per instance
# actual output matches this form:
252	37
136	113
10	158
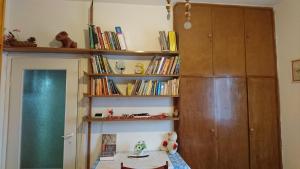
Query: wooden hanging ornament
188	15
168	7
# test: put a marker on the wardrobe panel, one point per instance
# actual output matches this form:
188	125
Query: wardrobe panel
197	132
195	44
228	41
232	122
260	43
264	123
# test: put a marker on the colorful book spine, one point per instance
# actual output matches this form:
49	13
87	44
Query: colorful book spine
108	41
92	44
100	38
95	37
121	38
155	88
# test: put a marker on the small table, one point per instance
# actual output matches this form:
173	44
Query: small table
155	159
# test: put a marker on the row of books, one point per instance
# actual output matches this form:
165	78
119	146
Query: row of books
155	88
106	40
164	66
100	64
168	41
104	87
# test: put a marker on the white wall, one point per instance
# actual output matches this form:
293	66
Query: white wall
287	14
43	19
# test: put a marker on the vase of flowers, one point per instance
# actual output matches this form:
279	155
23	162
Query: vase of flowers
139	148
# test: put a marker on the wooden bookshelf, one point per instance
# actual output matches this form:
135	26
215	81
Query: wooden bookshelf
132	96
95	119
130	75
88	51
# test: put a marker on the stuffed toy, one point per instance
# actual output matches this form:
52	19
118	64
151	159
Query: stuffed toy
169	143
66	41
11	41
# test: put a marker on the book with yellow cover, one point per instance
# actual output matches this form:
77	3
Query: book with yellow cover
172	41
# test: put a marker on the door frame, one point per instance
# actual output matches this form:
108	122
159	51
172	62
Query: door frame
4	103
5	95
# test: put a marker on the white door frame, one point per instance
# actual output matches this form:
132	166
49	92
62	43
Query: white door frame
4	98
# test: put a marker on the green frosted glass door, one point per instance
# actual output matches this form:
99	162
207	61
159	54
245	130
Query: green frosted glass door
42	113
43	119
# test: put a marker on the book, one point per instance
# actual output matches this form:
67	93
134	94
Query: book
95	37
109	45
100	37
163	40
106	40
166	41
106	45
129	89
160	65
116	40
93	86
150	67
165	66
92	44
104	87
100	64
172	61
174	65
155	88
108	147
121	38
172	41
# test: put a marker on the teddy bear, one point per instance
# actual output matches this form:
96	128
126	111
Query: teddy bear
66	41
169	143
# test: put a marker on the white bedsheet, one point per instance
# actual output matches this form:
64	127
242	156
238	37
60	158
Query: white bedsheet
156	159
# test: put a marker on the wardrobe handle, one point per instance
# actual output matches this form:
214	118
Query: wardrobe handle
212	130
210	35
252	130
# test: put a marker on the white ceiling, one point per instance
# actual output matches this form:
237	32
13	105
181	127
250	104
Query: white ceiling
162	2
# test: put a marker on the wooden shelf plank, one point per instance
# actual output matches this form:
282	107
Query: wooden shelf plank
134	53
129	75
133	96
47	50
88	51
94	119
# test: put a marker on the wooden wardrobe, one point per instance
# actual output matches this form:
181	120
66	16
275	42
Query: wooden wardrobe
229	113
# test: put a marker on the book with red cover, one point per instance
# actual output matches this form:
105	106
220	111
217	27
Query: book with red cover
101	42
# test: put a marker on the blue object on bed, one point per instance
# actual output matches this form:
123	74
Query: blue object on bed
178	162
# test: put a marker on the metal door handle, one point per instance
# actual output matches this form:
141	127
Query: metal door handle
68	136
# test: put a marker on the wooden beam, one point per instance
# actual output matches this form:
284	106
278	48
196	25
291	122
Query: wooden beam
91	14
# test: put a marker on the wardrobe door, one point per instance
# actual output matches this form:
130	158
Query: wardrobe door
228	41
232	122
195	44
260	43
197	123
264	129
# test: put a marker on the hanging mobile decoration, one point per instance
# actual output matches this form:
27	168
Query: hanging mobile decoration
168	7
187	25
